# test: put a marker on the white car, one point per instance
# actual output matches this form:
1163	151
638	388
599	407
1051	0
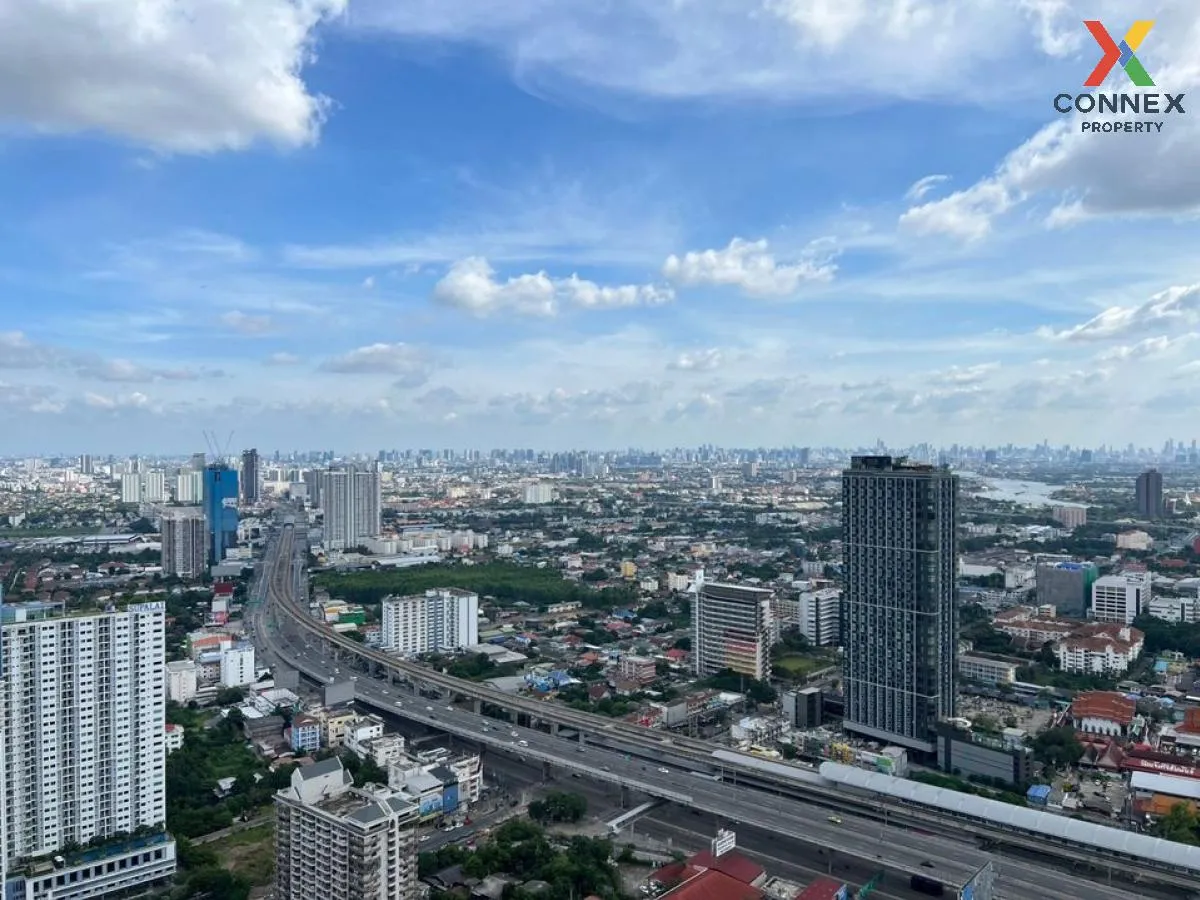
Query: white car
664	771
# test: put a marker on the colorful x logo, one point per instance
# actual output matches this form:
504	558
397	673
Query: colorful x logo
1120	53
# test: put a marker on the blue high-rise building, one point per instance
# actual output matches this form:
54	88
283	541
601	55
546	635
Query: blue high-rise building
220	510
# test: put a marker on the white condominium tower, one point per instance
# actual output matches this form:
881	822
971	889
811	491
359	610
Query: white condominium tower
441	619
184	542
732	627
350	500
335	841
84	743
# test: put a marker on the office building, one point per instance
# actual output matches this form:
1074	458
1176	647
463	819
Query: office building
899	616
804	708
220	510
184	540
1149	494
732	628
251	478
440	620
1120	598
237	666
337	841
86	465
84	739
350	500
1067	586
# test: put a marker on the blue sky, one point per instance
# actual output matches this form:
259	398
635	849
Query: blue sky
561	224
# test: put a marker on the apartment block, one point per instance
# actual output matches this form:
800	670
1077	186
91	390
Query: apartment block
184	542
641	670
1120	598
732	627
84	739
334	840
440	620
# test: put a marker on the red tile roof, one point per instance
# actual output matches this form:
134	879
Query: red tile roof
732	864
714	885
1107	705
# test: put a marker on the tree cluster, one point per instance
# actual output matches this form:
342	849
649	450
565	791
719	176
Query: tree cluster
558	806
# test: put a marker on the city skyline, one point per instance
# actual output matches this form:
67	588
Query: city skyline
416	227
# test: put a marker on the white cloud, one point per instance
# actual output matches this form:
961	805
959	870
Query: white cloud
913	49
1174	308
100	401
698	361
750	266
190	76
964	376
283	359
247	324
410	365
924	185
369	282
1146	349
17	351
471	286
1082	175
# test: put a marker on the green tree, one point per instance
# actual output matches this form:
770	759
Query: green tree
558	806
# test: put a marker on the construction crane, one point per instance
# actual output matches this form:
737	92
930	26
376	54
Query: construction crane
218	451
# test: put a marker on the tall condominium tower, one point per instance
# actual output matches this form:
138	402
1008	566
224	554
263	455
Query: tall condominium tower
220	509
251	477
184	540
441	619
899	616
1149	494
83	732
333	840
350	500
731	629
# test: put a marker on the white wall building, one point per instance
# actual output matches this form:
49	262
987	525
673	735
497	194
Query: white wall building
1175	609
154	487
237	666
538	493
350	500
184	542
189	487
1097	650
84	739
732	625
817	614
1120	598
131	488
333	840
183	677
440	620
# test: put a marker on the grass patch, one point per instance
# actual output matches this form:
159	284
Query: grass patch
249	853
796	665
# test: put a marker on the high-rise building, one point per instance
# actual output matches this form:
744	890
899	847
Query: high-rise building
86	466
131	488
154	487
350	500
1067	586
899	617
538	493
440	620
84	738
1149	494
189	487
184	542
335	840
251	478
732	628
220	509
1121	598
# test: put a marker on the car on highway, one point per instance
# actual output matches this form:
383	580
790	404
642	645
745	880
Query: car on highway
835	820
523	743
429	709
514	734
664	771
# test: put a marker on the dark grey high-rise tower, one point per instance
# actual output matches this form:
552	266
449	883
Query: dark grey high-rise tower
899	616
1150	494
251	477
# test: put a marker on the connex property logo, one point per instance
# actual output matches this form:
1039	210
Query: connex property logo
1144	103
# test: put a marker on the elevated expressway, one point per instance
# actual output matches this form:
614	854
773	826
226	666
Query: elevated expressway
630	756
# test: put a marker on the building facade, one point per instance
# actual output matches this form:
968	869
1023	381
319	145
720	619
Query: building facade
84	738
350	500
237	666
732	628
251	477
438	621
184	540
1120	598
1067	586
899	615
220	510
334	840
1149	494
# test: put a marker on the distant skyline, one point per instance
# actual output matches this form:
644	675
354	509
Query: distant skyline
364	224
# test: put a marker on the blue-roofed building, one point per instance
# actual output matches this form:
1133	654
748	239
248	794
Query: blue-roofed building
1038	795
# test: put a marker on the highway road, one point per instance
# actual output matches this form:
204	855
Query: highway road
866	839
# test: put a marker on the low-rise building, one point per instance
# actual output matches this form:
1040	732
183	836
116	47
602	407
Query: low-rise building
1100	649
182	681
306	734
639	669
987	668
1103	712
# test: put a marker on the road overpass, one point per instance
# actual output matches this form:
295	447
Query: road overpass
321	654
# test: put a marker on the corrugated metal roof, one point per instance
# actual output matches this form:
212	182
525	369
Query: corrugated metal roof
1165	784
1007	814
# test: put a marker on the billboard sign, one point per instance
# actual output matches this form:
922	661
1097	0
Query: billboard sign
982	885
431	805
